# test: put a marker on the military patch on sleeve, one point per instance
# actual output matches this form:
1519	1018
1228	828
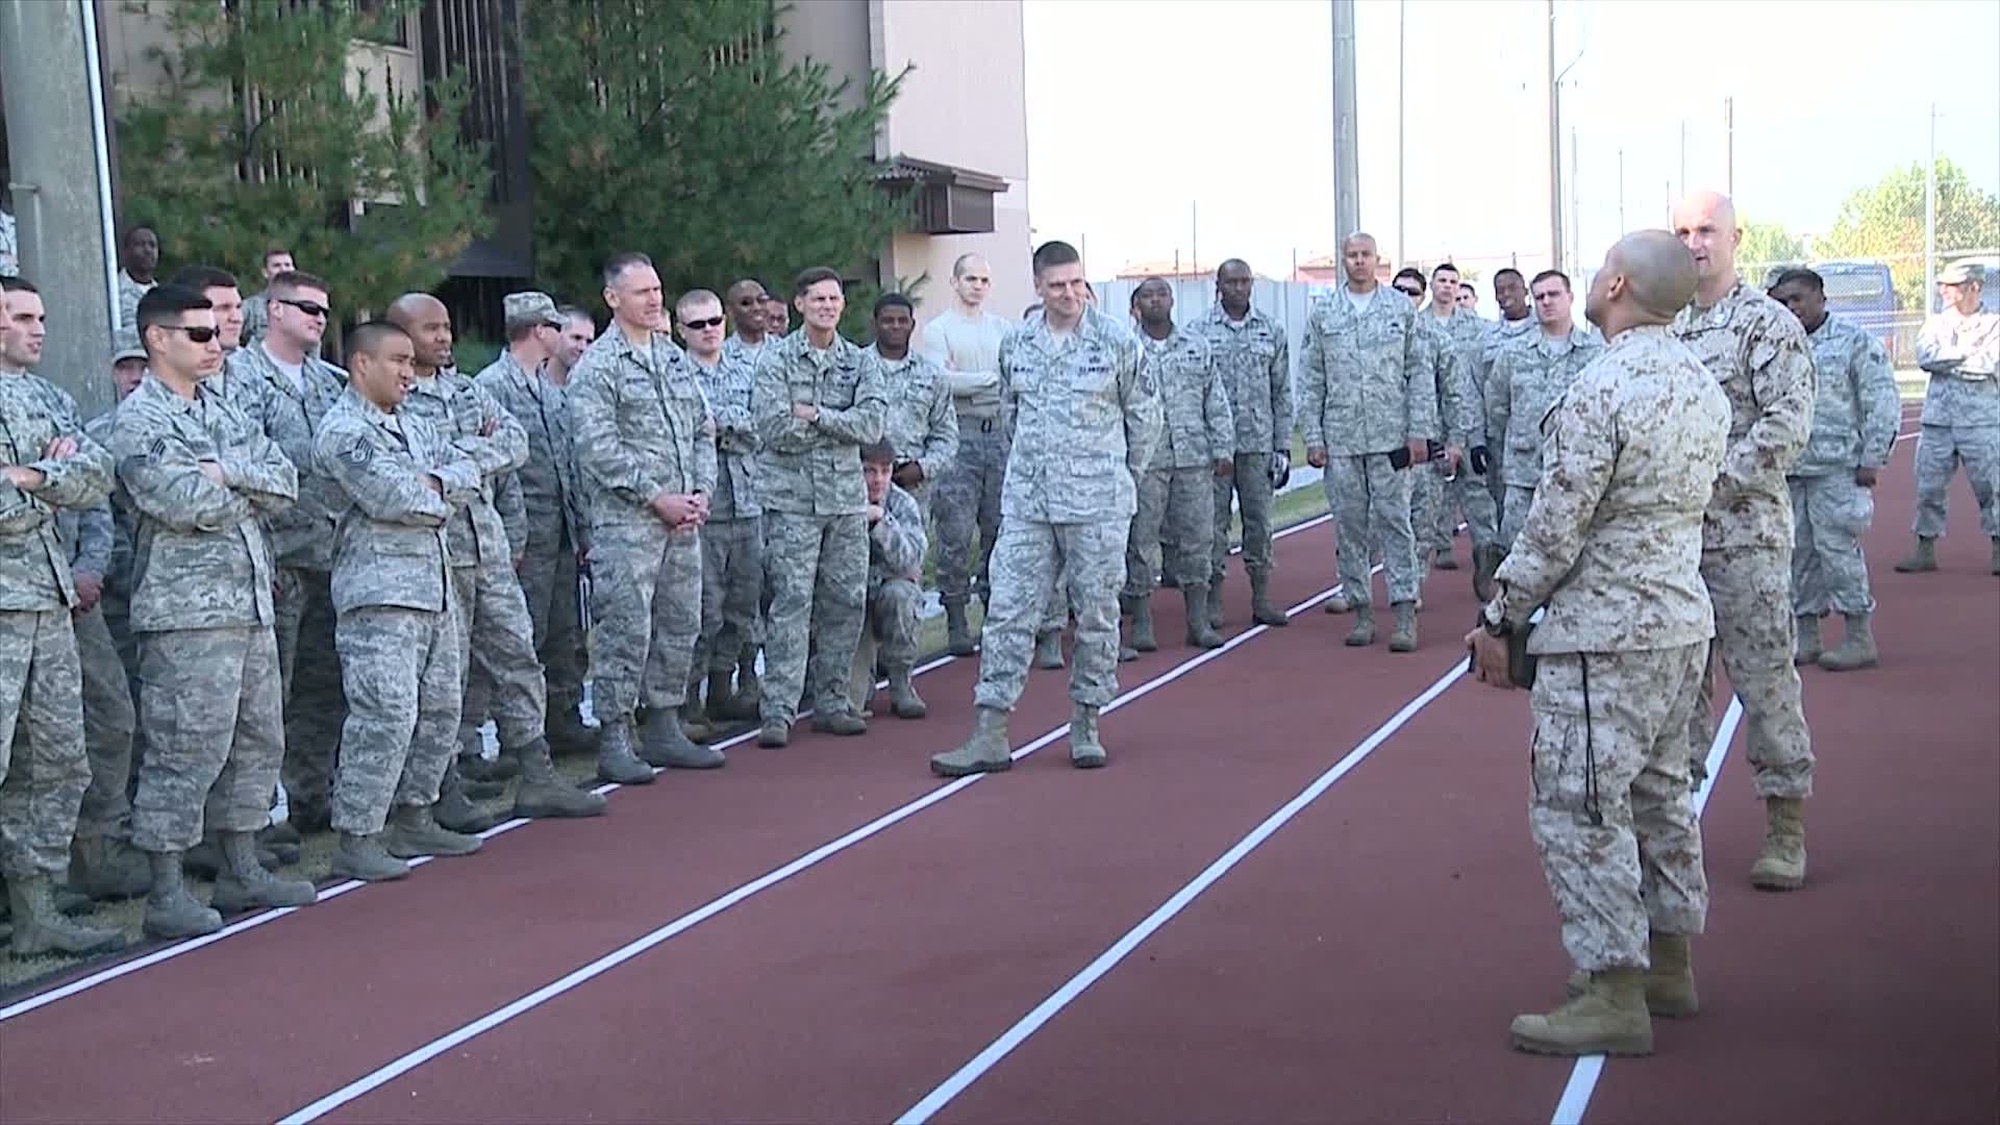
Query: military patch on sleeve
360	453
158	450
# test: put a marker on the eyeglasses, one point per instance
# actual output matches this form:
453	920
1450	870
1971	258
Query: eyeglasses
697	325
1411	290
199	333
310	308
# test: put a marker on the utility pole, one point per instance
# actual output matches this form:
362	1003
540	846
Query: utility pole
1930	217
1729	127
58	146
1346	138
1402	134
1555	146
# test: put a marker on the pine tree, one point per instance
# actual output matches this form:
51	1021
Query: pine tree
265	133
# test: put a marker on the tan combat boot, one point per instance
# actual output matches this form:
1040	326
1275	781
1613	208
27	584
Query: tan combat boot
1609	1018
1200	628
1363	632
1669	981
986	751
1261	609
1922	559
1404	639
1857	647
39	927
1782	865
1142	624
1338	603
1086	750
1809	646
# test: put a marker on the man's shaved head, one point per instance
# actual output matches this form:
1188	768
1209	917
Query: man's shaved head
407	309
428	322
1648	277
1705	221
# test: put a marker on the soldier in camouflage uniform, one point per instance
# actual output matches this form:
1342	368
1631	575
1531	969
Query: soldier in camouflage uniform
287	389
397	481
1175	512
732	537
755	328
896	544
1855	414
1959	348
818	399
529	381
1758	352
1530	373
198	474
645	448
1611	552
1368	411
1083	423
1459	336
923	424
965	341
1255	362
47	464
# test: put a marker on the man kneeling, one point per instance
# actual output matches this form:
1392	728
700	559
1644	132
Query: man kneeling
896	548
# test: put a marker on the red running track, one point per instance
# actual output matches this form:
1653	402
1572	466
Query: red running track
1360	965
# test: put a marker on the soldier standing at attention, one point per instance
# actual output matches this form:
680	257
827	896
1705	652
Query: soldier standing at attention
922	426
1959	349
1530	374
1612	551
965	340
645	448
1461	336
397	482
47	464
1368	411
1084	424
197	473
1758	352
1855	415
1197	446
818	400
1255	361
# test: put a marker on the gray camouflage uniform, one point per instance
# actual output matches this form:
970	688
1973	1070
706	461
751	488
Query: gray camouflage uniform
108	713
398	632
1961	419
1499	333
1854	419
1612	545
1460	339
922	424
732	541
1757	351
43	766
1175	511
815	515
641	427
1364	391
1529	375
1255	363
202	608
895	576
1083	423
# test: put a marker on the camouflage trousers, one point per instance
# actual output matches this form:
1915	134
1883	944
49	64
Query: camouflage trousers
315	704
732	582
43	768
1607	741
1427	513
967	498
548	583
1514	513
497	637
1829	515
1940	451
1176	517
890	636
1370	500
403	674
108	722
1027	558
1471	497
211	701
1250	485
646	585
818	568
1754	639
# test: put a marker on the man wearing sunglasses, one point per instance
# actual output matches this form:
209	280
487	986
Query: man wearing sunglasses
288	390
198	474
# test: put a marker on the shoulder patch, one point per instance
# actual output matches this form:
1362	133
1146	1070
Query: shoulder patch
360	453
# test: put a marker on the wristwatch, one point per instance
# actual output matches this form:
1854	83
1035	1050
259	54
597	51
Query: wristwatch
1494	619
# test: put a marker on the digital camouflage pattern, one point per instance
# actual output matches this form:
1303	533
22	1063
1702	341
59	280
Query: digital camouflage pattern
732	541
1451	341
109	718
214	723
922	424
1528	377
896	547
1175	513
1855	415
302	534
1961	418
1254	360
401	668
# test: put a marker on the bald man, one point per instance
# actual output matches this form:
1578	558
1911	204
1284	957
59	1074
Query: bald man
1758	352
1611	554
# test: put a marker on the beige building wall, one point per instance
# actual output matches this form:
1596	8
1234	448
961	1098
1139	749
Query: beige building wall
964	104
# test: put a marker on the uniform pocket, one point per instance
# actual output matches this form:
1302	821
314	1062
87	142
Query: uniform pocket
1555	758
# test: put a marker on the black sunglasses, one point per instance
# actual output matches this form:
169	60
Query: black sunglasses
199	333
310	308
1410	289
708	322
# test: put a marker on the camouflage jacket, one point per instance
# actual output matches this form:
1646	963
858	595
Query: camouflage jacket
1198	428
487	530
302	535
34	564
728	386
199	556
1450	358
1256	367
1856	409
1756	349
1960	353
1529	377
640	426
391	547
1363	387
896	543
551	502
814	467
91	534
922	423
1613	541
1082	421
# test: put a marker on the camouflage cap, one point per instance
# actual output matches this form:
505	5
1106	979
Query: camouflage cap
1958	273
524	310
124	352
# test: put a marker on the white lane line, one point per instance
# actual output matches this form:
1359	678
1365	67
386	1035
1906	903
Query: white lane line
1074	987
105	976
1584	1074
624	953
